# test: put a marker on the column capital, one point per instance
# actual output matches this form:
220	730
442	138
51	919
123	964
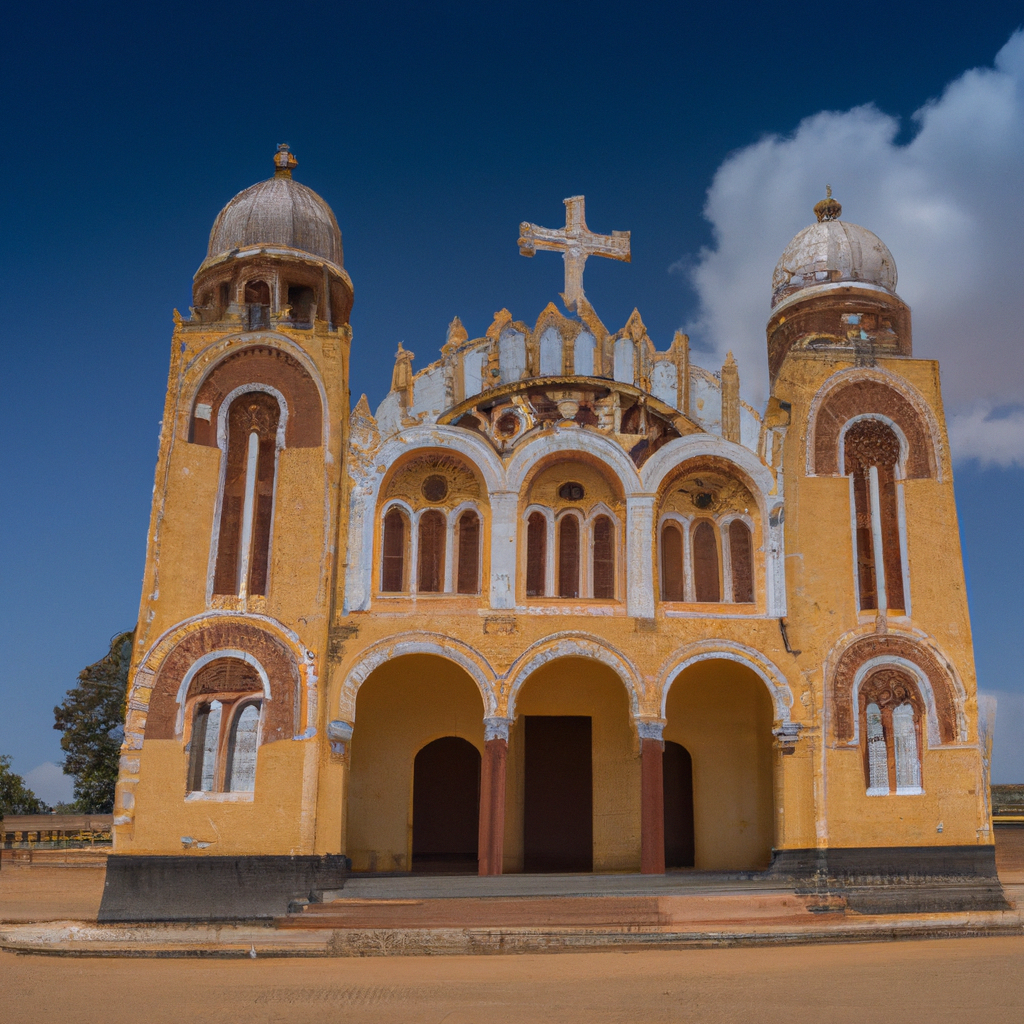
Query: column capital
496	728
340	735
651	728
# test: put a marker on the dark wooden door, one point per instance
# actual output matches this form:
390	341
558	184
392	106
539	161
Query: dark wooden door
558	825
446	806
677	776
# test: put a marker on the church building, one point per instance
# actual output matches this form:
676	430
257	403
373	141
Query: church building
563	601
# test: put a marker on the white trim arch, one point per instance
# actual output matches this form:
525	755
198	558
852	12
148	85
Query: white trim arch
244	389
901	462
572	645
728	650
585	442
201	663
365	494
467	658
901	386
670	457
208	359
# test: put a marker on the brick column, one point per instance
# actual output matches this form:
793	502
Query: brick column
652	798
491	844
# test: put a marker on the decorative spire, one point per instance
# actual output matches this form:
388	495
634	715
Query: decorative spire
284	161
828	208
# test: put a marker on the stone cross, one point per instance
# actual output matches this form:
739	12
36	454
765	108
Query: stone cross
576	242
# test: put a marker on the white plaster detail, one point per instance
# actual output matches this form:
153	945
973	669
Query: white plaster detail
496	728
648	729
639	555
551	353
512	356
583	355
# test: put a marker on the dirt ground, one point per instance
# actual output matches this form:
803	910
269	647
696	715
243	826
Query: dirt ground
934	982
927	981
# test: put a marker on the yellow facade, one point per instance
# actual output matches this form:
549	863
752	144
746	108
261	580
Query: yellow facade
556	521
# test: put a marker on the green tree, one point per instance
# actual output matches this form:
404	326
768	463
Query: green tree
15	797
91	719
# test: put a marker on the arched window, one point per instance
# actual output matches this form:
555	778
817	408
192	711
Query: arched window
257	305
431	542
202	774
468	575
240	775
536	555
569	557
741	561
707	577
604	557
302	301
392	574
247	501
872	452
672	562
892	714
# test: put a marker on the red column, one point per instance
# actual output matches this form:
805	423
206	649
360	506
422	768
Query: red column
491	848
652	805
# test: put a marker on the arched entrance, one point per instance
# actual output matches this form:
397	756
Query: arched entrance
677	787
446	806
720	711
402	708
573	772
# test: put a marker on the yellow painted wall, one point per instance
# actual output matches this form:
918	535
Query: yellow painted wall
722	713
401	707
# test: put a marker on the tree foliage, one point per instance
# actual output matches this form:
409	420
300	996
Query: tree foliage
91	719
15	796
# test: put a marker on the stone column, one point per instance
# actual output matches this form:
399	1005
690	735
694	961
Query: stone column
504	510
491	843
652	798
640	556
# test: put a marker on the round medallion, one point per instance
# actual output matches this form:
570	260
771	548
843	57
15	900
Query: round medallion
507	424
434	488
703	499
571	491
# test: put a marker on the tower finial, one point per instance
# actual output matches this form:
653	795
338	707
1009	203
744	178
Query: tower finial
828	208
284	161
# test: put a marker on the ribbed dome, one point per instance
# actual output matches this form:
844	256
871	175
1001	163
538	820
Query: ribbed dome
830	251
278	211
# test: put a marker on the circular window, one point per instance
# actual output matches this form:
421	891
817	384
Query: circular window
507	424
571	491
703	499
434	488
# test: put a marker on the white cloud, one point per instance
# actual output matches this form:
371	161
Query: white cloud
50	784
949	204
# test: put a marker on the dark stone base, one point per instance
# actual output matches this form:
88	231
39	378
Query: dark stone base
896	879
197	888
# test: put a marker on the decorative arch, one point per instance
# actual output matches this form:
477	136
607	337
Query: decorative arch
162	679
667	459
247	368
572	645
728	650
468	659
865	392
584	442
942	690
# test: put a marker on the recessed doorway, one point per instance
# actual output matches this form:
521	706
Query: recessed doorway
446	806
558	816
677	784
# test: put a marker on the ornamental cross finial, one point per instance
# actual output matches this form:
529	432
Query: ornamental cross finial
576	242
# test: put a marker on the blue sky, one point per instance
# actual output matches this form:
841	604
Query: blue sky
433	130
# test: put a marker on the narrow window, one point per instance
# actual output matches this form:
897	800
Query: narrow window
392	576
872	451
247	502
742	562
203	755
302	301
536	555
908	760
569	557
672	562
468	576
604	558
240	776
707	580
878	758
430	577
257	305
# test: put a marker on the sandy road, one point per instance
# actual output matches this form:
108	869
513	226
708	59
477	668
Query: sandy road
934	982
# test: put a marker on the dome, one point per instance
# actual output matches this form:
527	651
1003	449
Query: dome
278	212
832	251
